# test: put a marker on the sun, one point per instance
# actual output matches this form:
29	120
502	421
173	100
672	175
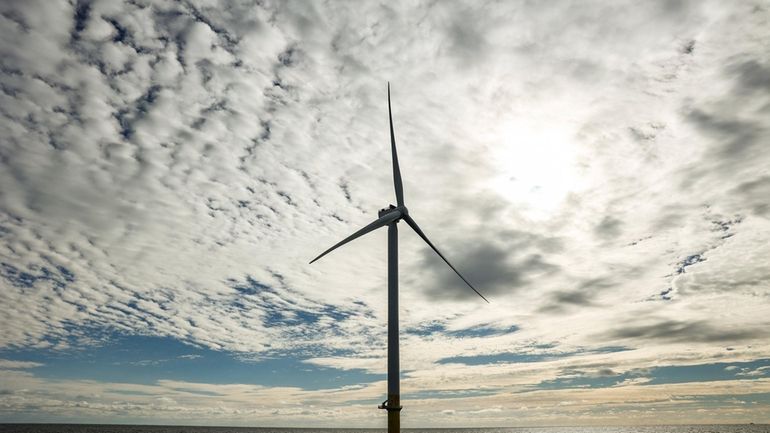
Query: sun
535	166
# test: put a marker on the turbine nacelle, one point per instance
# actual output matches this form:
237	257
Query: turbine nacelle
402	210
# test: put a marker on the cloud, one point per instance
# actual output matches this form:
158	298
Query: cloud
9	364
190	356
582	296
751	75
168	169
174	401
753	193
678	331
761	371
497	263
608	228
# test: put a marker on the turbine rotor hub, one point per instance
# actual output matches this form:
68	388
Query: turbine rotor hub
390	209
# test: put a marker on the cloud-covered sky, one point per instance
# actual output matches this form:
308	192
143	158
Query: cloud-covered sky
599	170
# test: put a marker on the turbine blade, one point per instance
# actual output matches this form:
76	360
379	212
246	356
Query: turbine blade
382	221
417	230
396	170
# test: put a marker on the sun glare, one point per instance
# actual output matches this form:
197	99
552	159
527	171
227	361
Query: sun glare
535	167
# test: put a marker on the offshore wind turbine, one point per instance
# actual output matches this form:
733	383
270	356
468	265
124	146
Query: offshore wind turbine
390	216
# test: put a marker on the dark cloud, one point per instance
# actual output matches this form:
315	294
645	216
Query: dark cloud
755	194
575	298
733	127
467	42
668	217
499	267
751	76
609	228
736	136
560	299
345	190
582	296
673	331
688	48
582	372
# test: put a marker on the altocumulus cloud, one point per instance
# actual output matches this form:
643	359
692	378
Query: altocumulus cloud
599	170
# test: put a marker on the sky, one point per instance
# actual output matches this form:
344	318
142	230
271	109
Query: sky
600	171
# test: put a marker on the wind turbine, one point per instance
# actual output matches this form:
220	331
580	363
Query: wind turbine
390	216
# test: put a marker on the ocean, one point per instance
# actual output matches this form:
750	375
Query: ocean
95	428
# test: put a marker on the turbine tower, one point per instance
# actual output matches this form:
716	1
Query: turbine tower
390	216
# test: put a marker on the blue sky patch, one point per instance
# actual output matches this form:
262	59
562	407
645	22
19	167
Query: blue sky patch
603	378
145	360
278	310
